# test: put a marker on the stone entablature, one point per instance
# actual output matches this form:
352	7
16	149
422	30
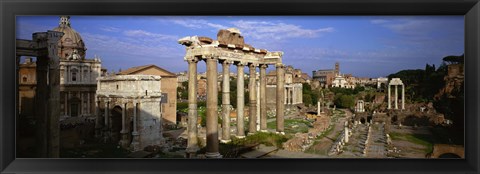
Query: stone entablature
132	86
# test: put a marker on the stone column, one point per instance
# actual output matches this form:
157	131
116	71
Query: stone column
53	115
294	95
258	105
318	107
212	102
240	100
123	132
280	98
253	100
396	97
301	94
403	96
192	144
67	75
389	96
106	117
135	135
226	102
263	97
98	126
41	94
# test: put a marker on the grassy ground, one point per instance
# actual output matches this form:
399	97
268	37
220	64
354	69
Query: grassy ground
238	146
420	139
292	126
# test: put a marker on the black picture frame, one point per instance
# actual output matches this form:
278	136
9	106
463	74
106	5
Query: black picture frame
8	89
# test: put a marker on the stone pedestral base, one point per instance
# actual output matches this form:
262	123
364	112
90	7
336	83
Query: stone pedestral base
135	146
213	155
124	141
241	137
225	141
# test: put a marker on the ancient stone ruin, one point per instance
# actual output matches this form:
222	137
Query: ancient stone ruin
228	49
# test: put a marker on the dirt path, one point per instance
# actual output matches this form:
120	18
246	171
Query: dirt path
322	146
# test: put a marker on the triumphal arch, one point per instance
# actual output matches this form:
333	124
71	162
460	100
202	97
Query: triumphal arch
230	49
130	107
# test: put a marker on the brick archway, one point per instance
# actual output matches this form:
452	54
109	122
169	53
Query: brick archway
441	149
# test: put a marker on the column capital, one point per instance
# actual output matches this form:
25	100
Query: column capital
240	63
263	66
280	65
253	65
225	62
191	59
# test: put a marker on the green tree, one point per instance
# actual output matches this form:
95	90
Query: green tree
344	101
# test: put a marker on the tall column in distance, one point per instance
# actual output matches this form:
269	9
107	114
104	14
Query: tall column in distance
105	128
135	135
123	132
212	102
396	97
403	96
389	96
226	102
318	107
98	126
240	100
253	99
263	97
280	97
192	143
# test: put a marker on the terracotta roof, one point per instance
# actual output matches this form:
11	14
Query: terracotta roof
133	70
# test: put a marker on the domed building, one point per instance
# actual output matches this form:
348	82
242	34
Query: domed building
78	76
71	40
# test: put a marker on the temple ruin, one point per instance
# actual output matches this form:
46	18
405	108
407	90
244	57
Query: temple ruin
230	49
396	82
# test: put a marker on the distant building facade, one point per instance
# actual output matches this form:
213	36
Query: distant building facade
169	89
293	87
77	76
326	76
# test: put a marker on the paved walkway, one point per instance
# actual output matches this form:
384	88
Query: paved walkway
376	146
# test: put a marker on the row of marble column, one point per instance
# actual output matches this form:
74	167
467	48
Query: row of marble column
396	97
107	126
84	109
212	92
293	95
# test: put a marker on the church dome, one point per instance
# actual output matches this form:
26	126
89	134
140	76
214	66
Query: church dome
71	41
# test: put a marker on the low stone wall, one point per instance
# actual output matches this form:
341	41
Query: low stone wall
302	141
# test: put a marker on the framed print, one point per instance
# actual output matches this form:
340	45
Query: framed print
210	87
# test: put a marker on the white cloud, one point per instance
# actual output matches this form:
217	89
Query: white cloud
127	46
142	34
277	31
110	29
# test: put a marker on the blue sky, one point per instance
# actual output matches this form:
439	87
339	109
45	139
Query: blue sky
365	46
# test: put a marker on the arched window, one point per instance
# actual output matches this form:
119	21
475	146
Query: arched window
24	79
